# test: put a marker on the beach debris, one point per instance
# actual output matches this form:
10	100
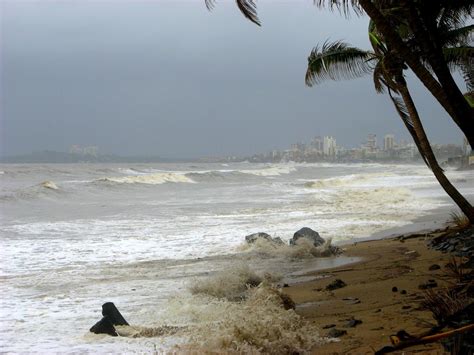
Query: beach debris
352	323
460	244
351	300
427	285
309	234
394	289
111	318
403	340
434	267
337	283
336	333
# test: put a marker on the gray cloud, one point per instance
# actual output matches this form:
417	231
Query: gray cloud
172	79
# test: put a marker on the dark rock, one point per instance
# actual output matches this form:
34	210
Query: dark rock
287	302
309	234
336	333
427	285
286	285
104	326
434	267
112	313
252	238
351	300
329	326
394	289
337	283
278	240
403	292
352	323
406	307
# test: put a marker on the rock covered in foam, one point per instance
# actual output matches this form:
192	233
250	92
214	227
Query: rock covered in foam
252	238
309	234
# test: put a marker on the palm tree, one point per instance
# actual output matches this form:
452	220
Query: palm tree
339	61
442	87
424	21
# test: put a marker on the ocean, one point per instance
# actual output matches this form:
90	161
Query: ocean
166	242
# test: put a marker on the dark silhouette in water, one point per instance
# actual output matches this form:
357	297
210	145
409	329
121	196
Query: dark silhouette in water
111	317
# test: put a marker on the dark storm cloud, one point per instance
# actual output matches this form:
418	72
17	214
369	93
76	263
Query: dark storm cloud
172	79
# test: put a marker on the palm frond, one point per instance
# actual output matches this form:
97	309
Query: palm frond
247	7
344	7
337	61
459	57
404	115
378	76
458	36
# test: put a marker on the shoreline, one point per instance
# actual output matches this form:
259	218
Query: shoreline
382	292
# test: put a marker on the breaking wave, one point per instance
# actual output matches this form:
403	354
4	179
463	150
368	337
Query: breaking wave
49	185
43	189
232	284
348	180
151	179
304	249
263	322
156	177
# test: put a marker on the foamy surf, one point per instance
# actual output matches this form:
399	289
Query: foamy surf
140	246
49	185
150	179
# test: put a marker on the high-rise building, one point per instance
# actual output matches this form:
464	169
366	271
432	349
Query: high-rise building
388	142
466	148
317	144
371	142
329	146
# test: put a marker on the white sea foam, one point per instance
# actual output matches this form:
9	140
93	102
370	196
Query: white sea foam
137	246
49	185
151	179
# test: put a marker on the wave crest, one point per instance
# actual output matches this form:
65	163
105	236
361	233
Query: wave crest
348	180
150	179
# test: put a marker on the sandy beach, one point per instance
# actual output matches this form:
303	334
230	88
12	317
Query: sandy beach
382	292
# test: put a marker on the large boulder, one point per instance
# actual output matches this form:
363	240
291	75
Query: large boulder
309	234
252	238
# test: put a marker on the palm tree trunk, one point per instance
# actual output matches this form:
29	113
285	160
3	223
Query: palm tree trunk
428	39
463	120
425	150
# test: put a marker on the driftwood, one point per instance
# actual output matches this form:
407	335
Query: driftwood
403	340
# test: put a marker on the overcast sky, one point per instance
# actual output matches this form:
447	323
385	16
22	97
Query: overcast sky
170	78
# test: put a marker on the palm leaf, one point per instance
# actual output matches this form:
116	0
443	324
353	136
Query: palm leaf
247	7
337	61
403	113
344	7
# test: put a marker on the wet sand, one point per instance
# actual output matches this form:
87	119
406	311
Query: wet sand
369	297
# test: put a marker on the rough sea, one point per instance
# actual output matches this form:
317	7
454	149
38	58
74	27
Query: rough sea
141	235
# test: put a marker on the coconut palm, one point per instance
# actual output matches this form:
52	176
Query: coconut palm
338	60
423	20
